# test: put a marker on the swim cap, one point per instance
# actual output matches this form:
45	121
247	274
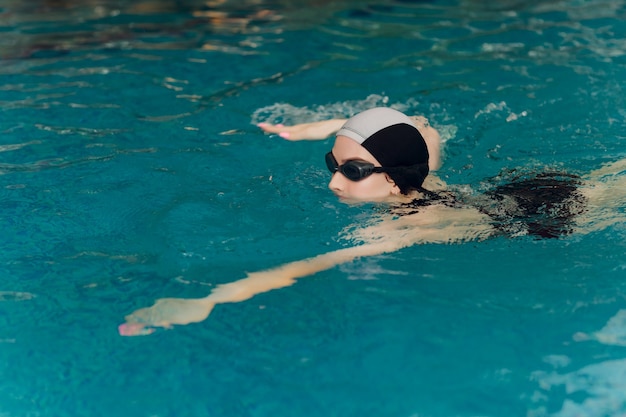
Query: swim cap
392	138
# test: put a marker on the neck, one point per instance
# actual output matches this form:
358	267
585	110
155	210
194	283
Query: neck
404	198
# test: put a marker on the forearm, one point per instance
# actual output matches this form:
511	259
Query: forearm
330	127
305	131
286	275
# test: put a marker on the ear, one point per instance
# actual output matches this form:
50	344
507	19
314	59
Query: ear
395	190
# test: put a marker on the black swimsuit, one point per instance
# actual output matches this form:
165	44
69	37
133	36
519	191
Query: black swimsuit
543	206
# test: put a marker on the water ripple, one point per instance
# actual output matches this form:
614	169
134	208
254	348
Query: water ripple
82	131
15	296
60	163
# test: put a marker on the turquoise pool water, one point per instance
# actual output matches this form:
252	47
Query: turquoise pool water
132	170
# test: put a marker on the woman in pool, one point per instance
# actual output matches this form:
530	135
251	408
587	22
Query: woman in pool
382	155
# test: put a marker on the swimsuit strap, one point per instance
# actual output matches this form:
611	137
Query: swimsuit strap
428	198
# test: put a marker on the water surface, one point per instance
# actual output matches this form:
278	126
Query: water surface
132	170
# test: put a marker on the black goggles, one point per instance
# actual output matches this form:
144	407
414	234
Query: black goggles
354	170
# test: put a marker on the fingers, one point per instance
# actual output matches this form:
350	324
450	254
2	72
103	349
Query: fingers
135	329
164	313
270	128
279	129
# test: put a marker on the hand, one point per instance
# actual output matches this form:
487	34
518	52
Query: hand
164	313
304	131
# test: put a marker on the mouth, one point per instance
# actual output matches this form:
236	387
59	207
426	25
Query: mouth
341	197
347	200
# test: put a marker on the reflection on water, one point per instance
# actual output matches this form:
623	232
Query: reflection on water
45	29
53	28
596	389
614	332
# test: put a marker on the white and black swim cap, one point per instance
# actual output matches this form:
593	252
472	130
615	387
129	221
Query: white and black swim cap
392	138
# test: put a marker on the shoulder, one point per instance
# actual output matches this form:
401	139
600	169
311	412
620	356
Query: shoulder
433	224
432	138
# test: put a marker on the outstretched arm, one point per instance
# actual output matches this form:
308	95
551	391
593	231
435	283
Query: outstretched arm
169	311
435	225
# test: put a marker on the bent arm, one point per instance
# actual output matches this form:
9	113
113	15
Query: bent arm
305	131
326	128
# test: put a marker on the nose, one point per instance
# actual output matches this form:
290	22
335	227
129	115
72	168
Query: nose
336	183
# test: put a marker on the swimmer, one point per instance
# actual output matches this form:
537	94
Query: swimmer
384	156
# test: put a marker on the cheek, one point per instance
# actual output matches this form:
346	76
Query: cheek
374	186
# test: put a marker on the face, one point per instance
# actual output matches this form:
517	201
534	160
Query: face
376	187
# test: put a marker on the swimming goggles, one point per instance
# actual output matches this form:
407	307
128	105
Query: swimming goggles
354	170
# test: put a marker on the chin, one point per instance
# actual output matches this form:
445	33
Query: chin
356	201
348	200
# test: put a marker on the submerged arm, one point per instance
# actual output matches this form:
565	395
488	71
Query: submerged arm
168	311
285	275
438	224
443	225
